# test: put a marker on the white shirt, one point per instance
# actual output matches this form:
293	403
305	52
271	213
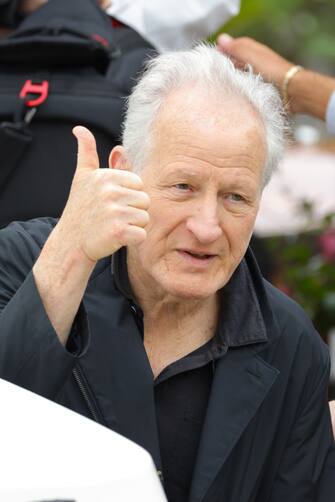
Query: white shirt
330	115
174	24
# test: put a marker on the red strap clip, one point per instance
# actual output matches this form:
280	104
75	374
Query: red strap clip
40	88
101	40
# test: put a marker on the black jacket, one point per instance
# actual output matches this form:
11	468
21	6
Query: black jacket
267	432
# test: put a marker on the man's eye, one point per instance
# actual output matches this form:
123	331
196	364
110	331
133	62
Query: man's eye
182	186
235	197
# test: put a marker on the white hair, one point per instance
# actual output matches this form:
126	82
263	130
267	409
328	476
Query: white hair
206	66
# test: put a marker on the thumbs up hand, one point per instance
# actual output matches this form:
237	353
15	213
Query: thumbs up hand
106	208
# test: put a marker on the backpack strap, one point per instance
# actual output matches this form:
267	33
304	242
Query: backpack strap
14	141
16	136
61	33
66	34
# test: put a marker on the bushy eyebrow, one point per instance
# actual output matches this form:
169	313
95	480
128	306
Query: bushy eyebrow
184	173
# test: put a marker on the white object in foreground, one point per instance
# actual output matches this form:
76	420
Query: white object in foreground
49	453
173	24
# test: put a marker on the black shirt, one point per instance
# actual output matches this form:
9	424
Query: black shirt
181	403
181	395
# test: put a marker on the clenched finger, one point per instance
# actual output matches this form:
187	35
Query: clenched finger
125	179
129	215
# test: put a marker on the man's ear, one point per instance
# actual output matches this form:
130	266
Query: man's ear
118	159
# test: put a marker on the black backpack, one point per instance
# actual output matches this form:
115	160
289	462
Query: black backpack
65	65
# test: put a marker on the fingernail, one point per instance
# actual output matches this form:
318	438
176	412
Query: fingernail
224	39
80	131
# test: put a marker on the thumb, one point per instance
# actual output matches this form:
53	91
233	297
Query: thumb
87	149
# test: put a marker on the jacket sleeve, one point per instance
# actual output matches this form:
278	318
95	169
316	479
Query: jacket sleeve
31	354
310	441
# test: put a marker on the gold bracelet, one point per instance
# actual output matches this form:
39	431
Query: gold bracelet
287	78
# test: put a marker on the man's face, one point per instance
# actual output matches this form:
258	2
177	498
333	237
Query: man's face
204	178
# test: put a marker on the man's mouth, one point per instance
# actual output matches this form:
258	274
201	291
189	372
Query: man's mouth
201	256
197	255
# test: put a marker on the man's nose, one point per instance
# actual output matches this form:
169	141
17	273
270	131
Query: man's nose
205	225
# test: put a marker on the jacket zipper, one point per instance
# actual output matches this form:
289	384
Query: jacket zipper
80	380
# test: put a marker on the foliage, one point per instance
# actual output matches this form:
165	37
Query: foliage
300	30
306	264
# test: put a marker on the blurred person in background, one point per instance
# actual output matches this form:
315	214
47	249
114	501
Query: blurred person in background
332	410
10	9
168	25
174	24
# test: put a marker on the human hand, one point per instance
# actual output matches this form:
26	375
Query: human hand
264	60
332	412
106	208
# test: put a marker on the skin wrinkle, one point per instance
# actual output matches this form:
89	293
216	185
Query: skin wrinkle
242	161
196	185
199	179
194	176
153	191
212	95
211	157
181	324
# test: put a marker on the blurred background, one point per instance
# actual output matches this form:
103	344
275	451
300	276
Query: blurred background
296	225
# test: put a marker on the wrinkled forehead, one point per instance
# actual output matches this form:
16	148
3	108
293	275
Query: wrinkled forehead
205	109
206	102
194	118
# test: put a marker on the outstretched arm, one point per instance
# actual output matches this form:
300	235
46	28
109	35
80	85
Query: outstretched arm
332	412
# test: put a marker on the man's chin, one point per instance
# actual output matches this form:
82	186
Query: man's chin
190	291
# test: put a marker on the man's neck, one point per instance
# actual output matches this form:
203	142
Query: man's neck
161	307
173	327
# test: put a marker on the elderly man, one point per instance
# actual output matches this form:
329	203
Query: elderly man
143	308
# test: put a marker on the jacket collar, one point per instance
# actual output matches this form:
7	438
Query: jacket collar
120	273
242	378
241	320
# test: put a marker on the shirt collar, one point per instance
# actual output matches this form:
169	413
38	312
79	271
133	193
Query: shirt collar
241	320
